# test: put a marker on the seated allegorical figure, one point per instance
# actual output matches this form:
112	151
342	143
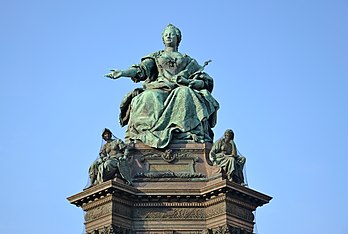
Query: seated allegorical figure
175	102
224	154
112	161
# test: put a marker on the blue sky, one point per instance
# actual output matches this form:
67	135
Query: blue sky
280	70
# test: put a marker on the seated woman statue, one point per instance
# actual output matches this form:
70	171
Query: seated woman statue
111	162
175	102
224	154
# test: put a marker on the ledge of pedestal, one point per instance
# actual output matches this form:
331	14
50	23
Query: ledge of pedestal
176	189
170	189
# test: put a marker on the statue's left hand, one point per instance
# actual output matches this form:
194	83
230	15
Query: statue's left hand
196	84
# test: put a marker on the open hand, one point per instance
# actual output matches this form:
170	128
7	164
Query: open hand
114	74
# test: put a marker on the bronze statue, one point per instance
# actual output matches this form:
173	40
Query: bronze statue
112	161
224	154
175	102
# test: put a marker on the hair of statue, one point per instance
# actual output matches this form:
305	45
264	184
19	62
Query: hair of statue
177	32
229	131
107	130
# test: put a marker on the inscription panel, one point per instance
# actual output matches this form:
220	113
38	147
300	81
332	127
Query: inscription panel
170	167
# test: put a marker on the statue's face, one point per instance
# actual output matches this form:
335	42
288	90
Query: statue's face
228	137
106	136
170	38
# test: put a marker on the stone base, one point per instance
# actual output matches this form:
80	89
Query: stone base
174	191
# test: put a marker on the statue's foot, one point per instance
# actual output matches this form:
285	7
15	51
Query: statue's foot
196	138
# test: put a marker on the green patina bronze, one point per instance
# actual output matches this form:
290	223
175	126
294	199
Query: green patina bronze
224	154
175	102
112	161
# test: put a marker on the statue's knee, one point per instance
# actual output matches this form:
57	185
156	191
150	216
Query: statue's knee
182	90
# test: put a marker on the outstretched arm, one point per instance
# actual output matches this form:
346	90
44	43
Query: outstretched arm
138	72
115	74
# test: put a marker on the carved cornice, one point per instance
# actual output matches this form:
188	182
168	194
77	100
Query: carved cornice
169	174
122	201
102	190
112	229
169	204
214	200
211	194
240	203
97	202
104	200
259	198
236	190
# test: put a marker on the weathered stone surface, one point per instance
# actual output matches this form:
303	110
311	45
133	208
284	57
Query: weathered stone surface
178	161
173	204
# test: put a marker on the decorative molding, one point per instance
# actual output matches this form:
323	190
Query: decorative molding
169	174
239	202
169	156
227	229
189	232
112	229
170	213
98	212
97	202
104	200
221	230
175	192
122	210
216	210
169	204
118	200
235	230
240	212
215	200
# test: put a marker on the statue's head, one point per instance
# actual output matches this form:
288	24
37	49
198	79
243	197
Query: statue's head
229	134
106	134
171	28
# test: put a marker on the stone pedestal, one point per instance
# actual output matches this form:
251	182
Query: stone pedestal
174	191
